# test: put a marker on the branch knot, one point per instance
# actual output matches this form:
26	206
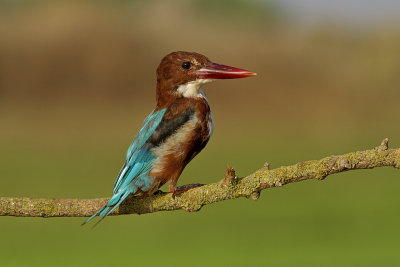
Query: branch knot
230	176
384	145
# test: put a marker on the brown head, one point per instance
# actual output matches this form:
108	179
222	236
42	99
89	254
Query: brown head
181	74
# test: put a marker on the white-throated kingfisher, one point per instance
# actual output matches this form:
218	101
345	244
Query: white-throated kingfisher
175	132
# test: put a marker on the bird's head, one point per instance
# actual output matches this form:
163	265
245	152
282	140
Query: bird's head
181	74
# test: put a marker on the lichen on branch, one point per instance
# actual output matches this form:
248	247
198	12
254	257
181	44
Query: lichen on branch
193	200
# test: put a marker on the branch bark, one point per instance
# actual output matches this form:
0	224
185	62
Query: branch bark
229	188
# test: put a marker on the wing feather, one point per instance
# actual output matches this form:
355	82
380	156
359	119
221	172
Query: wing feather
134	171
137	154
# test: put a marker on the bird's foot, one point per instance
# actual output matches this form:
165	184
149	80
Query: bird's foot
184	188
158	192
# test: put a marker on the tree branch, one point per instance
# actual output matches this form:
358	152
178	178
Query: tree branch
229	188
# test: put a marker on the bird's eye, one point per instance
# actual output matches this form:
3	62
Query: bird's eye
186	65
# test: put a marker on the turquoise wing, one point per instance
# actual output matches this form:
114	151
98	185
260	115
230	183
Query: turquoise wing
133	174
138	158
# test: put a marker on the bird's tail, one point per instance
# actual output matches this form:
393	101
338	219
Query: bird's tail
111	205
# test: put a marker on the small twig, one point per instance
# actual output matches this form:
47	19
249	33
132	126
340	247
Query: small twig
230	175
266	165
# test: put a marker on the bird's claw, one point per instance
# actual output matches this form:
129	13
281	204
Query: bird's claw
184	188
158	192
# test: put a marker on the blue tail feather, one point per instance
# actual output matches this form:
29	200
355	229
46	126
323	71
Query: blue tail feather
111	205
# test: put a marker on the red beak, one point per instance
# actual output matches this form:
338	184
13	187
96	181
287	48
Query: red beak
218	71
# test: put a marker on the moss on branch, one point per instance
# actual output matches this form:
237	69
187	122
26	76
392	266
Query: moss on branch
228	188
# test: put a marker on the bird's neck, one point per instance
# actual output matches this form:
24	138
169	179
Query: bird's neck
168	91
199	104
166	99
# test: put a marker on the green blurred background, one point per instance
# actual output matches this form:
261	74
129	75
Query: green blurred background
77	79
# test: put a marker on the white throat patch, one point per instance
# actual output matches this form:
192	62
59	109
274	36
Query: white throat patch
193	88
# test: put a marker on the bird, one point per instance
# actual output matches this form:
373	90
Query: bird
175	131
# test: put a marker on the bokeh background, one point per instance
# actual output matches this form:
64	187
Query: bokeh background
77	78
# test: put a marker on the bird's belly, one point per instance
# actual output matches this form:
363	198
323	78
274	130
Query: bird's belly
177	150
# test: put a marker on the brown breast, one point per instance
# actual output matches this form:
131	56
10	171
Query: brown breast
177	149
